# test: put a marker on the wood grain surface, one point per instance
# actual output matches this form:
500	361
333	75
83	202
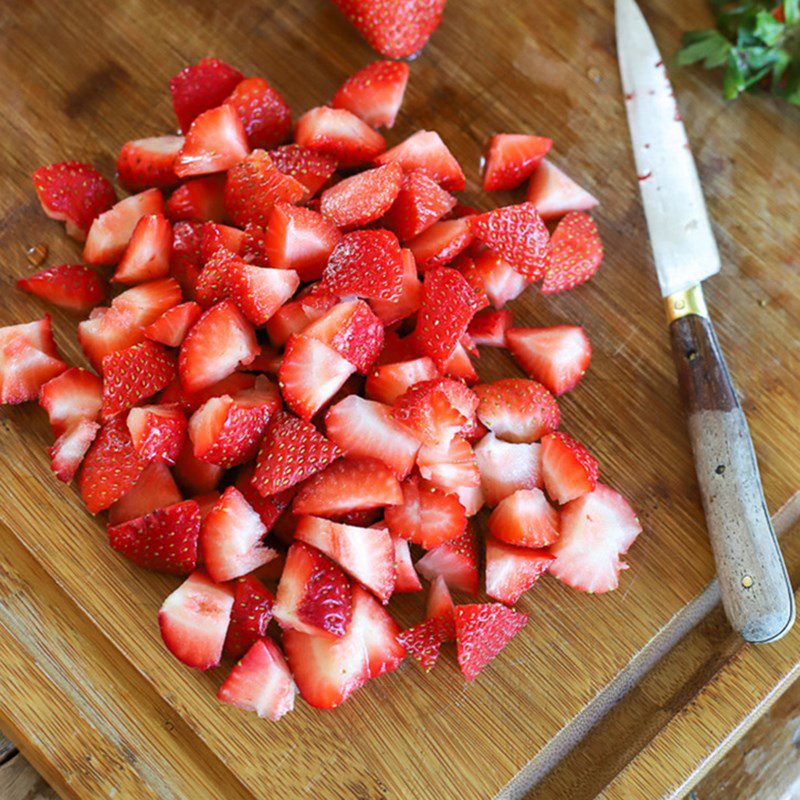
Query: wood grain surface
94	701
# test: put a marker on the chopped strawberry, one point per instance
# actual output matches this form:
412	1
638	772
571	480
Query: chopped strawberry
266	118
157	431
299	239
466	266
216	344
575	253
517	410
295	316
201	86
488	327
73	396
556	357
310	375
366	554
436	410
420	203
340	135
250	615
423	642
164	540
441	242
407	578
155	488
525	518
348	485
471	497
427	516
135	374
569	470
512	158
517	234
392	311
28	360
292	450
195	476
216	141
186	260
260	292
213	284
554	194
253	187
310	167
216	236
231	384
363	198
173	325
314	594
426	151
71	286
199	199
374	93
194	620
440	607
112	230
397	348
366	429
460	365
231	538
146	163
269	507
501	282
511	571
506	467
70	447
227	430
387	382
74	193
449	466
366	263
147	255
378	633
596	530
456	561
482	631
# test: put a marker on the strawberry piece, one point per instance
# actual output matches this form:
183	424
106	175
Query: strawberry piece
517	410
423	642
227	430
366	429
556	357
157	431
374	93
348	485
70	447
389	381
199	199
155	488
213	284
506	467
449	466
448	305
575	253
517	234
266	118
74	193
361	199
340	135
299	239
596	530
310	375
569	470
392	311
195	476
378	633
309	167
111	467
260	292
28	360
260	682
488	327
231	538
419	203
215	141
201	86
397	348
216	236
314	595
194	620
366	554
441	242
456	561
482	631
471	498
440	607
554	194
148	163
147	255
460	366
134	374
164	540
292	450
425	151
186	260
407	578
367	264
71	286
466	266
215	346
511	571
173	325
112	230
501	282
269	508
525	518
231	384
427	516
72	397
254	186
512	158
250	615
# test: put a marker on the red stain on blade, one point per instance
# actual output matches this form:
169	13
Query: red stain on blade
648	174
630	95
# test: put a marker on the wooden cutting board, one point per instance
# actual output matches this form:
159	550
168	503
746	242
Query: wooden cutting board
90	693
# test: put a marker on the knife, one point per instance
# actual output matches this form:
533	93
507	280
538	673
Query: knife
756	592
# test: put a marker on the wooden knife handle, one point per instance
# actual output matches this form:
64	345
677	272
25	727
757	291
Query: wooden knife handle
756	592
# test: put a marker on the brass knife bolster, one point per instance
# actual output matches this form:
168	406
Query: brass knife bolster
687	301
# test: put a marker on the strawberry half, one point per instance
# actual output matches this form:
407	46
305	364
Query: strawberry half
426	151
575	253
517	410
71	286
407	578
146	257
374	93
173	325
361	199
569	470
250	615
554	194
215	141
340	135
266	118
201	86
506	467
155	488
456	561
488	327
146	163
525	518
442	242
512	158
157	431
194	620
482	631
71	397
74	193
419	203
199	199
366	263
511	571
501	282
309	167
596	530
387	382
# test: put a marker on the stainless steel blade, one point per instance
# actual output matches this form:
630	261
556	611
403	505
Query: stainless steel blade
683	244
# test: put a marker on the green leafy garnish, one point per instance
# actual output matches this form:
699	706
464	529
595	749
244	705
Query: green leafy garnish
758	44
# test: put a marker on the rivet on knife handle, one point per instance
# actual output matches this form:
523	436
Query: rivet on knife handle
756	592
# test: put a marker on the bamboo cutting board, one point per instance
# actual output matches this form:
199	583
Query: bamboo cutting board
89	692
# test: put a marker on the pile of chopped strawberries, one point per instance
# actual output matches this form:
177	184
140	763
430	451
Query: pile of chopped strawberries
283	405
